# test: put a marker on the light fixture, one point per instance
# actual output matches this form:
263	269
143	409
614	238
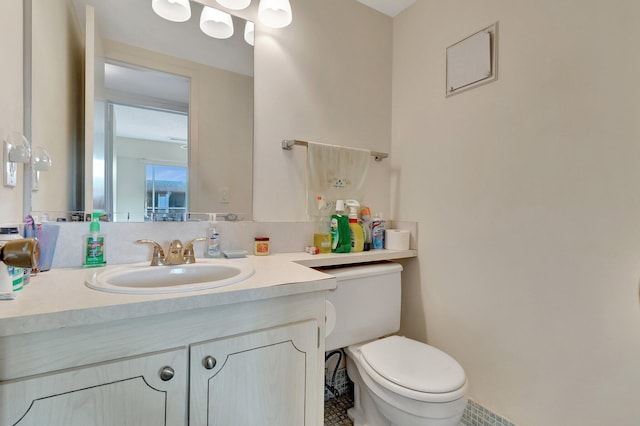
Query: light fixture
275	13
16	149
216	23
234	4
249	32
172	10
40	162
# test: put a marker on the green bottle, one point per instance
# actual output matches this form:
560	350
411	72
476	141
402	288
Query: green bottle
94	244
340	231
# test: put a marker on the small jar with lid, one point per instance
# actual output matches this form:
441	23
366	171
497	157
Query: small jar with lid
261	246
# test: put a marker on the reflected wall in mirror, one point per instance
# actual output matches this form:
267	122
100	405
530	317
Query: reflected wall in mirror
129	40
53	103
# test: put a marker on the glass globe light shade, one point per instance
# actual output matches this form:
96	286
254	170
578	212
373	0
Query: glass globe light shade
249	32
172	10
216	23
234	4
275	13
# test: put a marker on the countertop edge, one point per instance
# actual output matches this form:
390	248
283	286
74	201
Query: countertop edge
17	324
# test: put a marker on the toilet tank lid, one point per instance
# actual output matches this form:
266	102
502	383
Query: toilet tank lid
414	365
363	271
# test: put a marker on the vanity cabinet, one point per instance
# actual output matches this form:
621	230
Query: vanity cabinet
257	363
145	390
259	378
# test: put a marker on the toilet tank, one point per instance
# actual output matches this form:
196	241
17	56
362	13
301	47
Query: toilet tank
365	304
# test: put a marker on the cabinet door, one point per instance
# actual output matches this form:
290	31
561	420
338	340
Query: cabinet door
127	392
264	378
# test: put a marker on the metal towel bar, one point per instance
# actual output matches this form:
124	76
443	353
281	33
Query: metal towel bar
289	143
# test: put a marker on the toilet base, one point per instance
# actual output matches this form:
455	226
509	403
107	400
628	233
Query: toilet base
371	410
364	411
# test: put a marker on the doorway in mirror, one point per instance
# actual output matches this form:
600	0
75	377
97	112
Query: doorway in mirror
144	152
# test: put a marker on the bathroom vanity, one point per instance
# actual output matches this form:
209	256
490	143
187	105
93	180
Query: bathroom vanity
248	354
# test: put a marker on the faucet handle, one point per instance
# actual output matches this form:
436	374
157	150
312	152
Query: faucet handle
189	256
157	258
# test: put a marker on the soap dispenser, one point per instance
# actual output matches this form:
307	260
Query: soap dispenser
213	239
95	253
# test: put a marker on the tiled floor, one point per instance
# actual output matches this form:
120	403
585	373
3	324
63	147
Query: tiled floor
335	411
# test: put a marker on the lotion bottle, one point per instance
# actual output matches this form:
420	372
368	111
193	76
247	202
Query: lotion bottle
16	274
6	283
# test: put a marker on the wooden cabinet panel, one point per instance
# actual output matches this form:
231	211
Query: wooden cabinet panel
264	378
127	392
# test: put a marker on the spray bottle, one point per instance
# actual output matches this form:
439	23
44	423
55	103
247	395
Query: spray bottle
378	226
356	229
365	214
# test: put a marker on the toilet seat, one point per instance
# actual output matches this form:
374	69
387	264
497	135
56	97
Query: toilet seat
413	369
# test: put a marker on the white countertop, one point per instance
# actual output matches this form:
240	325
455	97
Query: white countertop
59	298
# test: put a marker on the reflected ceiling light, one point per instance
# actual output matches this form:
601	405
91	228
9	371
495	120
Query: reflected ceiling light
216	23
234	4
275	13
172	10
249	32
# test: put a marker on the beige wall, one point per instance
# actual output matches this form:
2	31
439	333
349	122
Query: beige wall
57	53
11	103
525	191
325	78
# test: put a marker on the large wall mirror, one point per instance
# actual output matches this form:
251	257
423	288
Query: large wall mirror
144	118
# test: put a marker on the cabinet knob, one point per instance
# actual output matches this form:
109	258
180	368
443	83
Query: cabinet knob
167	373
209	362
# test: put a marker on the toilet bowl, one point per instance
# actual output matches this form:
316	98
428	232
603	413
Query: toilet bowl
397	381
410	384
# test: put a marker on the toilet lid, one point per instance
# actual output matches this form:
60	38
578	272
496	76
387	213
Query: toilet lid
413	365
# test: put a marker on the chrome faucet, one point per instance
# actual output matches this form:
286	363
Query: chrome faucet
177	254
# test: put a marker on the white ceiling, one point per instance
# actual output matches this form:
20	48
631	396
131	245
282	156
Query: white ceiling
388	7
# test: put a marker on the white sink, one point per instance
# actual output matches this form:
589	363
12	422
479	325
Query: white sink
144	279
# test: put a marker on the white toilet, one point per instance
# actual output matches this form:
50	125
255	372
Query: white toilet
397	381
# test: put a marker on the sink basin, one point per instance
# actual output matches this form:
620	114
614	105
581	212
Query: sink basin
145	279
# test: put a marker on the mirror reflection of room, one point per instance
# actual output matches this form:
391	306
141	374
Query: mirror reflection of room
127	37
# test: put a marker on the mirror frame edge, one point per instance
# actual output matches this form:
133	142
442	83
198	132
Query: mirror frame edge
27	98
